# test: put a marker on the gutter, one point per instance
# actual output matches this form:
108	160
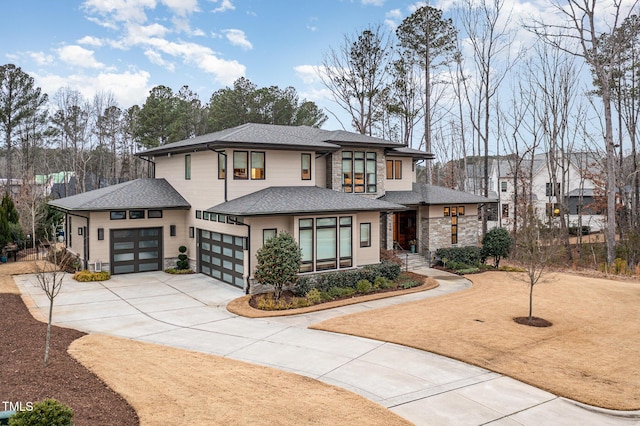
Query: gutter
226	168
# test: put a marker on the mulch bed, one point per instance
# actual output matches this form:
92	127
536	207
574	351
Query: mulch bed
23	378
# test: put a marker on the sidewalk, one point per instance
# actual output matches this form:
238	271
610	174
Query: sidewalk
189	312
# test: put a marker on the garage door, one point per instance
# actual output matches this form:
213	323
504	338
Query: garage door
222	256
136	250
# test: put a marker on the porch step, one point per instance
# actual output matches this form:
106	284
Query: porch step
412	261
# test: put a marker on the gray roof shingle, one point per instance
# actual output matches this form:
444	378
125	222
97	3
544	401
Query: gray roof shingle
300	199
431	194
134	194
277	136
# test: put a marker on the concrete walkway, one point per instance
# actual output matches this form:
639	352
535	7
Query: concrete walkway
189	312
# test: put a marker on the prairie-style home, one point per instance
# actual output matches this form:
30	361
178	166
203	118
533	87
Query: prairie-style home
342	195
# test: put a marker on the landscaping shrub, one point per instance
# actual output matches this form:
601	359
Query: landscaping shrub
390	256
496	243
303	286
470	255
314	296
182	262
175	271
389	270
86	276
44	413
364	286
382	283
278	262
456	266
340	292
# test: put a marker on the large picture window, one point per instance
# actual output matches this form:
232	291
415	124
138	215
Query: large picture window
359	172
326	243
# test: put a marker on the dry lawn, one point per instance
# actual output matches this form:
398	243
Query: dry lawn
590	354
176	387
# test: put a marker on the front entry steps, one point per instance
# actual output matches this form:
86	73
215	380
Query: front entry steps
412	261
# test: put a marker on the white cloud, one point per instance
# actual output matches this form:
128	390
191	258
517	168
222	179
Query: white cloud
238	38
309	74
224	6
41	58
78	56
129	88
373	2
182	7
91	41
120	10
156	58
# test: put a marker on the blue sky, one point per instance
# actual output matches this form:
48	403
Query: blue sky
129	46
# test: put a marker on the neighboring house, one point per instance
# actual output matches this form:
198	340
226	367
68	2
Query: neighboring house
342	195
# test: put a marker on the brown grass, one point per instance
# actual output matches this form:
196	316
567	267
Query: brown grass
590	354
174	387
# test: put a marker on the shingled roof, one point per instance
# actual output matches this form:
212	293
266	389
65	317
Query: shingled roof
134	194
300	199
431	194
280	137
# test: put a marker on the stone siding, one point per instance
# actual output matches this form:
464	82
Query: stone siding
334	171
438	230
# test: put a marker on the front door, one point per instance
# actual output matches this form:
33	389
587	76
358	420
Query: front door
404	228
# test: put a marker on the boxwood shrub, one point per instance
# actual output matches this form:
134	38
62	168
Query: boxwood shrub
469	255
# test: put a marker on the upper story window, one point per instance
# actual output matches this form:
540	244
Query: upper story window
136	214
257	165
394	169
240	164
222	165
359	171
549	190
503	186
187	166
306	167
118	215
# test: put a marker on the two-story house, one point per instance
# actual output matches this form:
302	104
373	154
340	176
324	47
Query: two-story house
342	195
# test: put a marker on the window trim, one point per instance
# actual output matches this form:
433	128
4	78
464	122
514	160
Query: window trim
302	169
264	237
364	160
222	165
264	165
139	213
154	214
114	214
367	242
187	167
245	175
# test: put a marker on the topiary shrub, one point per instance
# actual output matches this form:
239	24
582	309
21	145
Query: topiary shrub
278	262
182	262
44	413
497	244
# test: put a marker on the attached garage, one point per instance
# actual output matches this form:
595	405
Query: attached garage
221	256
136	250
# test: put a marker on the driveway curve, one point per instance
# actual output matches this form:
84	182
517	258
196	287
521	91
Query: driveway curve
189	311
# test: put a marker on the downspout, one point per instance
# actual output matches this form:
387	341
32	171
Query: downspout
153	165
235	222
226	167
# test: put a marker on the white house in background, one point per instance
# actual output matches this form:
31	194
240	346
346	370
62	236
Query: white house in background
578	192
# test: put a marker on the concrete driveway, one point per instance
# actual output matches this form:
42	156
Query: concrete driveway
188	311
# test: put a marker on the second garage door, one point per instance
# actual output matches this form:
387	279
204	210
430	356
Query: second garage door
221	256
136	250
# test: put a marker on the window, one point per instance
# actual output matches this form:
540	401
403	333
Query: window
240	164
359	173
447	211
222	165
172	230
100	234
187	166
306	167
394	169
460	210
79	230
154	214
257	165
505	210
118	215
326	249
192	232
306	244
503	186
198	214
205	215
549	192
365	235
136	214
454	229
346	236
267	234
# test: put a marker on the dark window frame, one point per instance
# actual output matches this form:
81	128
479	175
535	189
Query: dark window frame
222	165
154	214
264	231
187	167
305	174
241	175
136	214
264	165
115	215
367	242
